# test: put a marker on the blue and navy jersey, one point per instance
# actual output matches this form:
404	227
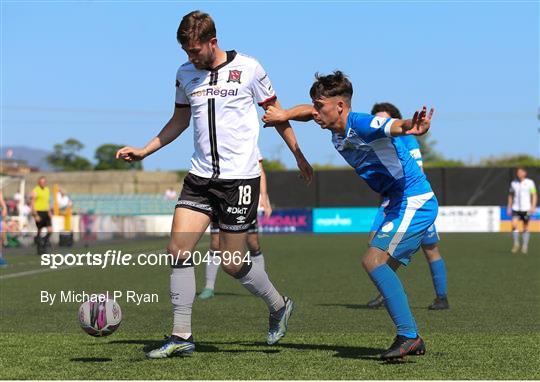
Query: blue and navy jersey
383	162
411	143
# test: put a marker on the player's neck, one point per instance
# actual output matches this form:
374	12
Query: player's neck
221	57
341	125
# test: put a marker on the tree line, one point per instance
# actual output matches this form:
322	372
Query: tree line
66	157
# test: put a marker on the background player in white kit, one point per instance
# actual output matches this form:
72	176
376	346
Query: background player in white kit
253	244
522	200
220	89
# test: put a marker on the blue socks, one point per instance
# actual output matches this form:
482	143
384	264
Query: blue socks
438	274
388	284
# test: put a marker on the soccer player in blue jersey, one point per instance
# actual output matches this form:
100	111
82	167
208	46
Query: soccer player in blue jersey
430	240
366	143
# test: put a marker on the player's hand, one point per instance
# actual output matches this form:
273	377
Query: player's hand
420	122
274	115
267	210
130	154
306	171
37	218
532	211
508	212
4	213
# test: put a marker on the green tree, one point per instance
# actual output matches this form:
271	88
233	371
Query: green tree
106	159
274	165
427	148
511	161
328	166
65	157
444	163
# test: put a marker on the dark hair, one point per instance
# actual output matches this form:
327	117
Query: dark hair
332	85
521	168
196	26
386	107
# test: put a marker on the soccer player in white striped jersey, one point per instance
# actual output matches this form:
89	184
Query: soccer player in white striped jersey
221	90
522	200
430	241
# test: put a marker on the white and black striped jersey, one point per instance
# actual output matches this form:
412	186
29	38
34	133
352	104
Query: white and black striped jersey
522	192
223	105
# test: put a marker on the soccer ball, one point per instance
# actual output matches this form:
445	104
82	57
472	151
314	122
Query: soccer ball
100	316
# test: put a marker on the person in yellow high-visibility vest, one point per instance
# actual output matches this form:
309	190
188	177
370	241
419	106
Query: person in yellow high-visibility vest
41	210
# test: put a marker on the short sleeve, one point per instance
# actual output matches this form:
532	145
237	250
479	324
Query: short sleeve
181	99
369	127
511	191
533	187
259	155
261	86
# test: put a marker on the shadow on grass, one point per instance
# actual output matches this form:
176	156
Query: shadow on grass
349	352
90	359
348	306
200	347
354	352
363	306
229	294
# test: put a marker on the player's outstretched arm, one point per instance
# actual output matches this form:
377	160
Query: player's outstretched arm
273	115
418	125
285	130
172	129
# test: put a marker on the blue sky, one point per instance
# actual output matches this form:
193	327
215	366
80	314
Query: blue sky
103	72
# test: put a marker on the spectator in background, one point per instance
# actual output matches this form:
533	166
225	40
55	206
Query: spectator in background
27	210
63	200
170	194
17	196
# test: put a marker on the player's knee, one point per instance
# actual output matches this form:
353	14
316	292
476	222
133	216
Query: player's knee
177	251
431	252
231	268
368	262
373	258
214	242
253	243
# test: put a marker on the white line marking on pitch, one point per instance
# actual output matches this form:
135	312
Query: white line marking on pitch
33	272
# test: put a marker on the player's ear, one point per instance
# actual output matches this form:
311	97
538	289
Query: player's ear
340	106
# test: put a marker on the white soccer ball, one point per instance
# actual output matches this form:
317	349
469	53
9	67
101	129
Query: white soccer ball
100	316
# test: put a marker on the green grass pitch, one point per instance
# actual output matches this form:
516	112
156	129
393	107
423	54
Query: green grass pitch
490	332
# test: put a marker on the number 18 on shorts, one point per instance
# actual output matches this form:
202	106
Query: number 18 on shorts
232	202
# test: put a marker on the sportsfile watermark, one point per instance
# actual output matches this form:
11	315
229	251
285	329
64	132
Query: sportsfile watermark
113	257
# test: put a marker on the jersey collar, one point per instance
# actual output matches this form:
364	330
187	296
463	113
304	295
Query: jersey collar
348	125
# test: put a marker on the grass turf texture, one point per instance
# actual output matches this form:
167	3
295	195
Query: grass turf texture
491	332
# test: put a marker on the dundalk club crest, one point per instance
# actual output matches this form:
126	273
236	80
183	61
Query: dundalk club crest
234	76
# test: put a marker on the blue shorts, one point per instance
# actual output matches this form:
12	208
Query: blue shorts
430	238
405	225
